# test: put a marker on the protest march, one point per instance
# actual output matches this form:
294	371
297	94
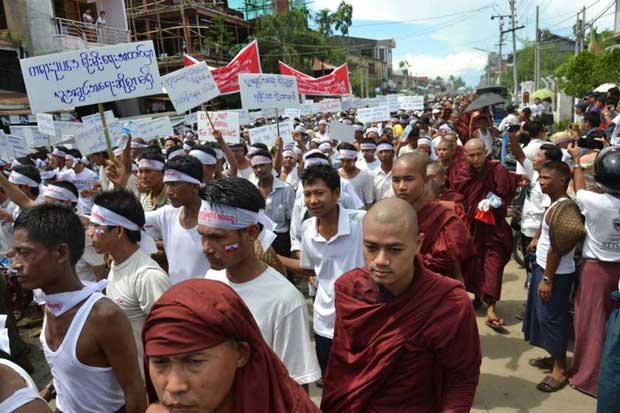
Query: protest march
296	254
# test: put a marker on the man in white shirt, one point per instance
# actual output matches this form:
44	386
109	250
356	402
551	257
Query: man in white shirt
229	224
537	138
177	224
382	176
510	119
361	180
87	17
322	132
83	178
135	280
368	161
331	245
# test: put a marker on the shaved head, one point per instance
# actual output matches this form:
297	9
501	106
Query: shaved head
416	161
435	169
476	153
474	144
392	211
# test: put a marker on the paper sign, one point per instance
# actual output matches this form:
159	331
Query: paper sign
95	118
226	122
89	141
327	106
64	129
32	135
268	134
149	129
6	150
85	77
190	86
45	122
411	102
292	113
392	102
342	132
244	116
374	114
19	145
268	91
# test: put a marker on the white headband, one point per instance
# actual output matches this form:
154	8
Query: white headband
103	216
289	153
260	160
425	141
368	146
325	147
176	153
172	175
228	217
315	161
385	147
59	153
203	157
48	174
347	154
59	193
151	164
19	179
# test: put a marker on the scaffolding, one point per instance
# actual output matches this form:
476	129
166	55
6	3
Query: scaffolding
184	26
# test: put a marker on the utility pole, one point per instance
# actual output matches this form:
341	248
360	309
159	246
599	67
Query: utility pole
501	44
579	32
583	28
513	29
537	53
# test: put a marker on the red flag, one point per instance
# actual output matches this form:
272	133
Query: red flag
227	77
336	83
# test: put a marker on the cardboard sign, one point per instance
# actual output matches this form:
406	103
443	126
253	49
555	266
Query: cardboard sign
32	135
260	91
95	118
292	113
64	129
85	77
90	141
244	116
327	106
19	145
45	123
190	86
374	114
268	134
226	122
149	129
411	102
342	132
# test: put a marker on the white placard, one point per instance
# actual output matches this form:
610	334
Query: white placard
190	86
305	109
149	129
85	77
392	102
95	118
226	122
6	150
268	134
260	91
374	114
327	106
32	135
19	145
45	123
342	132
244	116
411	102
89	141
64	129
255	115
292	113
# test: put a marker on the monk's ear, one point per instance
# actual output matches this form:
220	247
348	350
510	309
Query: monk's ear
244	351
419	240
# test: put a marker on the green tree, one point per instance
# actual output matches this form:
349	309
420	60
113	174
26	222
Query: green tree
403	65
324	19
458	82
220	37
586	71
342	18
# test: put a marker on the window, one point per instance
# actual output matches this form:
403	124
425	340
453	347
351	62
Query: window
382	54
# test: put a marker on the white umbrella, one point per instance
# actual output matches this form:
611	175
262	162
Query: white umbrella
604	87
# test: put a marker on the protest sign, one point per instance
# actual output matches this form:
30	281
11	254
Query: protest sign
64	129
373	114
260	91
342	132
268	134
45	123
19	145
227	122
411	102
190	86
89	141
148	128
327	106
6	150
392	102
85	77
96	118
244	116
335	83
31	135
292	113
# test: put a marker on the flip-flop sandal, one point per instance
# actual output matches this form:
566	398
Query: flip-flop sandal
551	385
495	324
544	363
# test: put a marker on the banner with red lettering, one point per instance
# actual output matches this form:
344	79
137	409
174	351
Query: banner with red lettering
227	77
334	84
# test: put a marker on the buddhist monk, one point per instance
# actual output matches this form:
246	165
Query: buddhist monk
405	338
447	243
205	353
475	180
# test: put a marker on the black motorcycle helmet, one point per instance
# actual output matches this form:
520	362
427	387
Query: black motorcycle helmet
607	170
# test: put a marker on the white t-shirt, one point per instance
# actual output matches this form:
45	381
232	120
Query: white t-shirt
530	151
363	185
511	119
372	166
134	285
245	173
487	138
330	259
535	203
567	262
182	246
89	259
382	184
602	213
282	316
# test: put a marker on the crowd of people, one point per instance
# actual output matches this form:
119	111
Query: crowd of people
175	276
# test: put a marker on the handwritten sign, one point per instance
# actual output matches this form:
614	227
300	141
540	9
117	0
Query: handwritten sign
19	145
85	77
327	106
32	135
411	102
6	151
149	129
342	132
374	114
64	129
292	113
89	141
45	122
392	102
95	118
268	91
226	122
190	86
268	134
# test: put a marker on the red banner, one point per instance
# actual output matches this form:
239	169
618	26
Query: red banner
227	77
334	84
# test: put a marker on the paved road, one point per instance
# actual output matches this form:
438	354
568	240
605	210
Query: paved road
507	382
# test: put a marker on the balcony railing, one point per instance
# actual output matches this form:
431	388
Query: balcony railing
91	33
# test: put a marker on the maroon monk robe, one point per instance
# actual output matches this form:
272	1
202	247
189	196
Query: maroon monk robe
458	162
415	353
494	242
454	200
447	241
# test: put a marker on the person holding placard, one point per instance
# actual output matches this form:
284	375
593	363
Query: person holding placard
361	180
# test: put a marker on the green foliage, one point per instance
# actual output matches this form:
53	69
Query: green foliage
586	71
324	19
289	38
342	18
220	37
356	83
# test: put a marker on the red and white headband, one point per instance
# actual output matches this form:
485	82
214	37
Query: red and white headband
172	175
203	157
19	179
260	160
347	154
58	193
151	164
103	216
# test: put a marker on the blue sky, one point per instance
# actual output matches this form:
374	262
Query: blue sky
441	38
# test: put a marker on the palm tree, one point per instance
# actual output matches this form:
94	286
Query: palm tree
324	19
342	19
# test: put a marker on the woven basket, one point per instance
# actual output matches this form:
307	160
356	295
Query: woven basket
566	227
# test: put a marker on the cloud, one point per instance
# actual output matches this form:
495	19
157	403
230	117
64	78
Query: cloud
456	64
